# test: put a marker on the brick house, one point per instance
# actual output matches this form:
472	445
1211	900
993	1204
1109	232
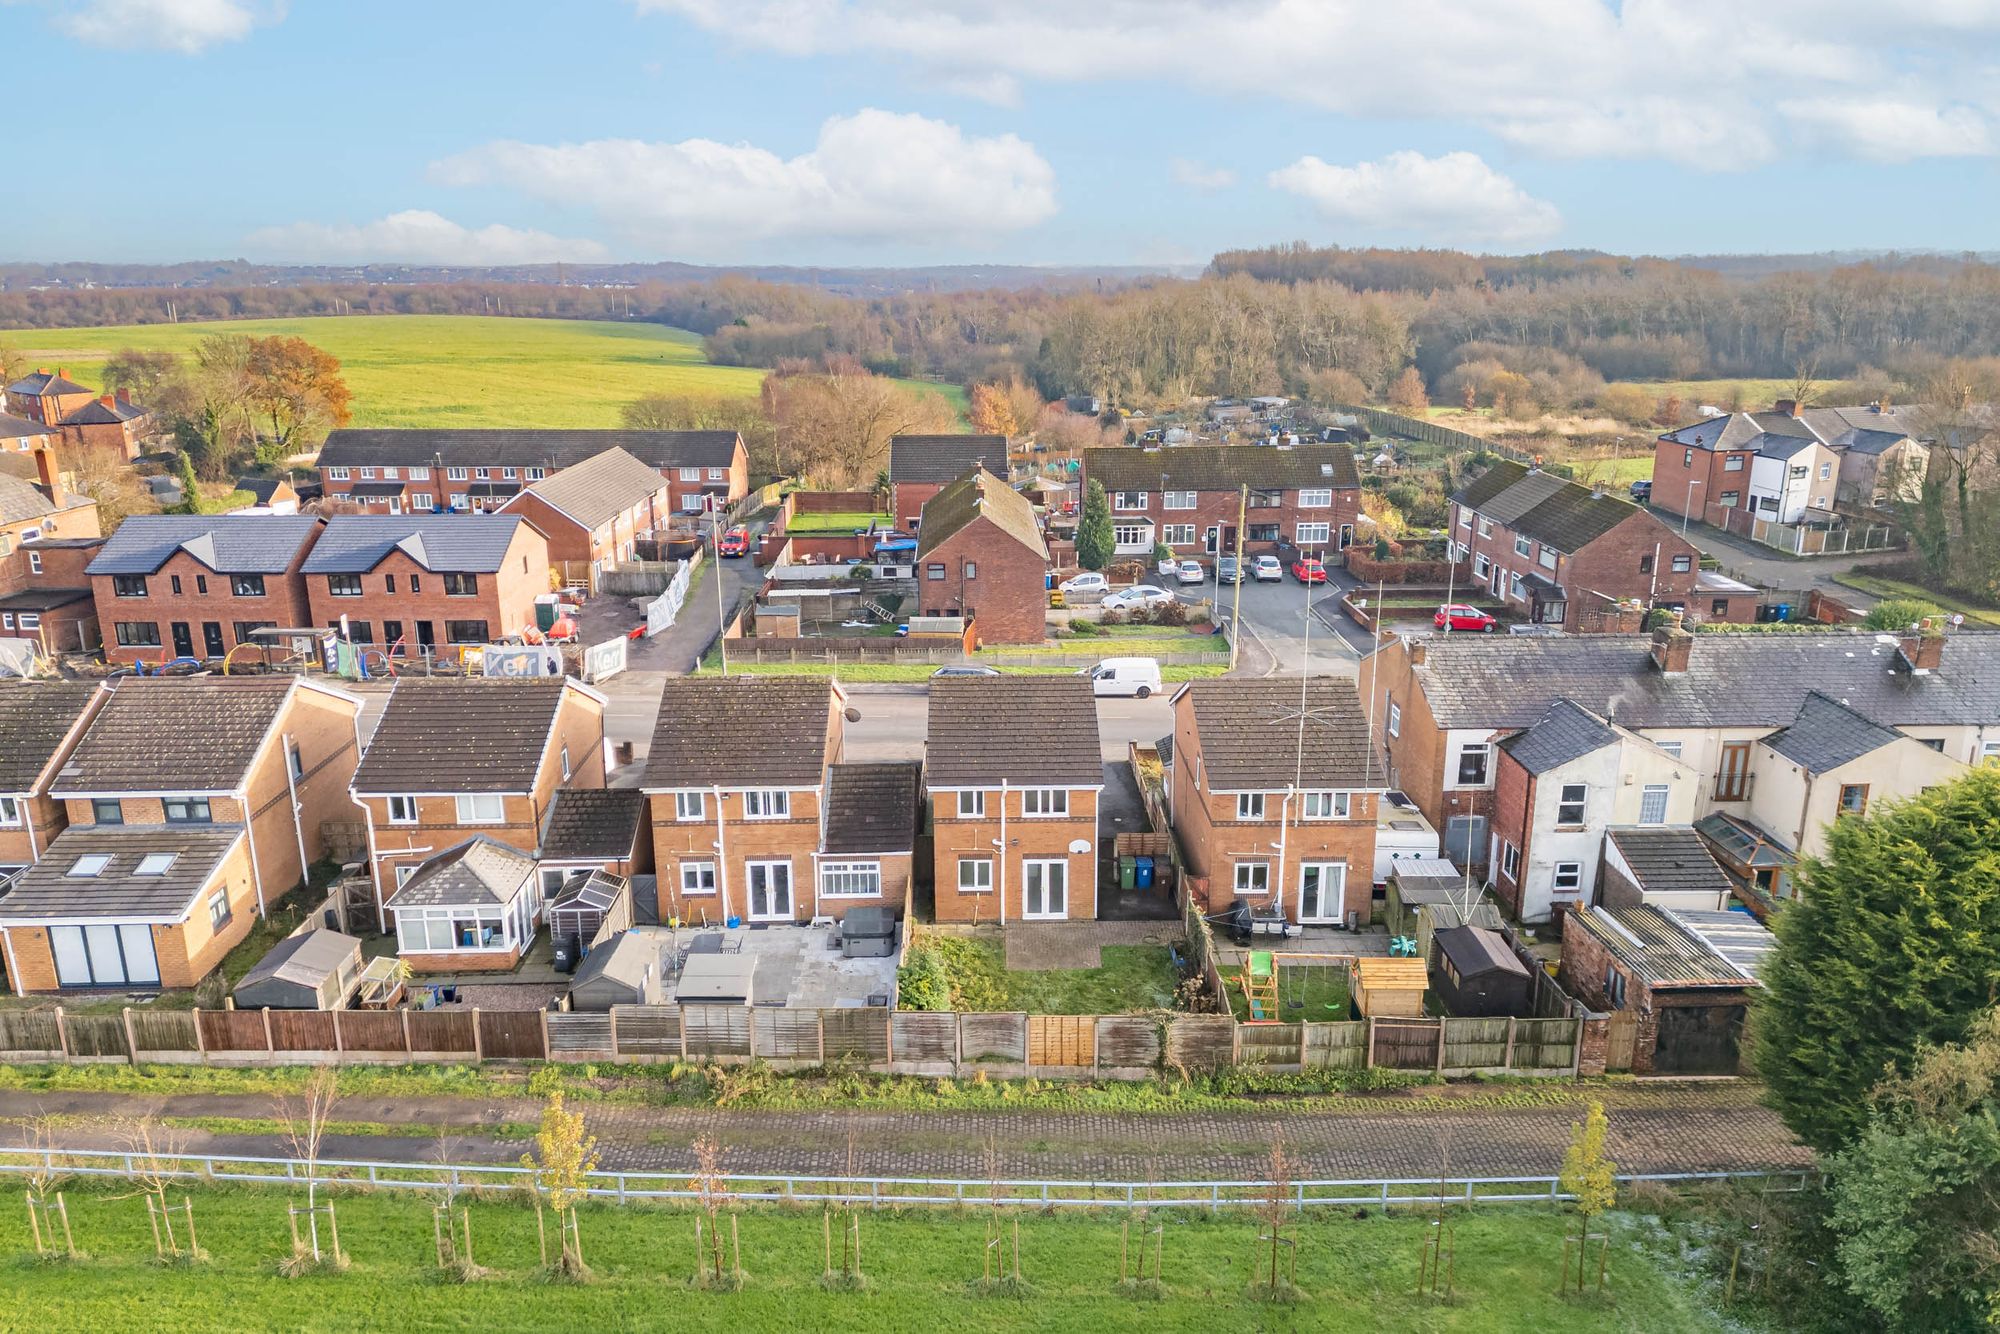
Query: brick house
46	537
1274	795
427	582
197	585
274	494
980	554
192	804
1767	465
1688	977
1563	553
47	396
22	435
1014	772
1300	497
414	471
920	466
40	723
454	759
594	511
112	422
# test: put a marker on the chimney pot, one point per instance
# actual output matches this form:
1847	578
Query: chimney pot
1417	652
107	400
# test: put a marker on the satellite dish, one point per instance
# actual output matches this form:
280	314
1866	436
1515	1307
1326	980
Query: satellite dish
852	714
1079	845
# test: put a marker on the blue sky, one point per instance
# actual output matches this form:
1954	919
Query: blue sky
1036	131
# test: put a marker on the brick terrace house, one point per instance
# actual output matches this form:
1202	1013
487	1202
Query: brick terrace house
46	538
920	466
454	759
980	554
594	511
404	471
1189	496
1274	795
428	582
47	396
1014	772
40	723
198	585
21	435
192	803
112	422
1770	465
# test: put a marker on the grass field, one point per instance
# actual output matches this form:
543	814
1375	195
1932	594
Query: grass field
1353	1273
457	370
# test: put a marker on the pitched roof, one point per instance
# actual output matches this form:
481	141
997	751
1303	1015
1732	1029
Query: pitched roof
480	870
1828	734
475	734
263	488
1539	505
593	823
455	543
1566	732
21	500
1474	949
629	960
306	959
1253	739
1670	859
1732	680
99	413
15	428
978	495
740	731
48	891
45	384
511	448
1221	467
35	716
174	734
872	807
1662	947
945	458
600	487
226	543
1028	731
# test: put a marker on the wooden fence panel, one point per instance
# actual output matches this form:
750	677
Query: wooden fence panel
30	1030
370	1030
787	1035
1475	1044
716	1030
649	1030
856	1035
514	1035
1269	1044
302	1030
920	1036
441	1031
1407	1044
573	1035
96	1035
1545	1044
1201	1042
1062	1039
1127	1042
162	1030
232	1030
997	1038
1342	1046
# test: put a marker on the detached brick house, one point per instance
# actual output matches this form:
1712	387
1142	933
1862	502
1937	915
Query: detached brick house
415	471
1304	497
593	513
192	804
1274	796
426	582
197	586
920	466
46	538
47	396
112	422
980	554
1014	772
40	723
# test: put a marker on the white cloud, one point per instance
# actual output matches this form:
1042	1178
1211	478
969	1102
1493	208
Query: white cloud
1886	130
1192	175
184	26
872	176
1454	198
415	236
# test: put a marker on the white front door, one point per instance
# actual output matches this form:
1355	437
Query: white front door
1045	889
395	504
770	891
1322	885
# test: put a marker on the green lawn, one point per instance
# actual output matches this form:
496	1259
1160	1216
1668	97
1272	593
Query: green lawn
1306	994
1883	587
1128	978
1354	1272
802	525
921	671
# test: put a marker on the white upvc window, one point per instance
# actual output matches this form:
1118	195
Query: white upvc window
1522	546
1178	500
1128	500
1474	764
1464	517
423	500
1395	719
1177	534
420	472
482	808
482	474
457	929
697	878
454	474
850	880
975	875
1326	805
690	806
766	804
1569	806
1510	860
1547	560
1249	805
1132	536
1253	877
1653	804
389	475
1485	527
34	562
402	810
10	811
1569	877
1318	498
971	805
535	474
1517	589
338	474
1482	566
1044	801
1314	534
367	474
717	474
509	474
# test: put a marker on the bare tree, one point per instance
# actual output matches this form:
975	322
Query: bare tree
711	1187
154	1149
45	1176
304	1116
1274	1210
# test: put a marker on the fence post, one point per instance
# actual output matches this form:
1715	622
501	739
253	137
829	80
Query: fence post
1441	1041
478	1044
339	1042
62	1034
131	1043
819	1029
613	1013
1575	1048
269	1045
1368	1042
684	1031
406	1033
545	1035
200	1041
1507	1061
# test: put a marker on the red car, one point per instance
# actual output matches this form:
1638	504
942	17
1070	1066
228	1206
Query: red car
1462	617
1308	570
735	542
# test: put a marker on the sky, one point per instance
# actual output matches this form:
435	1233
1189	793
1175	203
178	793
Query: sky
899	132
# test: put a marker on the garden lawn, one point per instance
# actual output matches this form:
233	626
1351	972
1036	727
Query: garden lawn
805	525
1312	994
1128	978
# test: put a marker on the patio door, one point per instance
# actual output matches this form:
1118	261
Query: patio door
1322	888
770	891
1045	889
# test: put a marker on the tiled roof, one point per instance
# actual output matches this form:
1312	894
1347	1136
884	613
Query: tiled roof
457	543
593	823
1670	859
263	488
1221	467
481	871
174	734
1732	680
225	543
945	458
1828	734
1028	731
740	731
599	488
1473	950
307	959
1539	505
47	889
1657	946
1252	738
979	495
525	448
872	807
99	413
35	716
22	500
469	735
43	384
1566	732
16	428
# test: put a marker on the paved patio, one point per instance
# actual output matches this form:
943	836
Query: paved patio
797	966
1038	946
1369	942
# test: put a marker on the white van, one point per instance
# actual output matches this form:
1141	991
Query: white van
1138	677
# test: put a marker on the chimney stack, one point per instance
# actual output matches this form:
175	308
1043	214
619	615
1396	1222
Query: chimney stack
62	372
50	475
1788	407
1672	646
107	400
1922	647
1417	652
124	395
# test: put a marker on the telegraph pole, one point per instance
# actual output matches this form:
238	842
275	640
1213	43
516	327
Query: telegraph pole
1236	609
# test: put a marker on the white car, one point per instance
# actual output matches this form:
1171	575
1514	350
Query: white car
1088	582
1190	572
1267	569
1138	595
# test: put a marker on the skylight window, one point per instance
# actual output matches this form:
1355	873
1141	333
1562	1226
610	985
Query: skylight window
156	863
90	864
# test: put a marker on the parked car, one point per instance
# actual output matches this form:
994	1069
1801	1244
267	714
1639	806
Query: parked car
1137	677
1088	582
1228	570
965	669
1138	595
1308	570
1642	490
735	542
1190	572
1462	617
1267	569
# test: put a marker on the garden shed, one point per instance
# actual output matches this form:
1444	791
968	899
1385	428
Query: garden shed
1479	975
624	971
586	900
1389	988
314	970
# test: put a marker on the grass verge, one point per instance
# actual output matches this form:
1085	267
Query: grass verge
1884	587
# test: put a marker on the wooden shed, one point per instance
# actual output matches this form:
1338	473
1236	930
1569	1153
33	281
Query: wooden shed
1479	975
314	970
624	971
1389	988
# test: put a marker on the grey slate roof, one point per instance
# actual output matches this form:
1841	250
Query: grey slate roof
43	384
1670	859
226	543
1028	731
593	824
1733	679
99	413
626	960
740	731
1251	739
1566	732
979	495
477	734
480	871
510	448
46	890
872	807
1828	734
599	488
263	488
455	543
1666	951
15	428
35	716
22	500
174	734
1221	467
945	458
1539	505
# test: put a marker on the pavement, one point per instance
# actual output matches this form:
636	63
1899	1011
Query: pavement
1757	564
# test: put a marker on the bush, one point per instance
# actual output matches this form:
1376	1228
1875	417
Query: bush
922	982
1171	613
1900	613
1084	628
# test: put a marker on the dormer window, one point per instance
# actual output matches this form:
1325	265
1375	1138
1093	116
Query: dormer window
89	865
186	810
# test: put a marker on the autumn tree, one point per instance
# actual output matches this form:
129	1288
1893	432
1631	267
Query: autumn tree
296	390
104	475
140	372
562	1162
1668	412
992	412
1333	385
708	412
207	404
1407	394
833	425
1589	1178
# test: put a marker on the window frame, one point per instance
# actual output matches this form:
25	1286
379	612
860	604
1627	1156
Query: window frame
868	870
1053	803
1315	497
1249	805
1483	750
1665	793
1570	871
690	805
128	585
691	878
767	803
467	805
974	885
412	813
971	804
1333	804
194	810
1251	879
1570	810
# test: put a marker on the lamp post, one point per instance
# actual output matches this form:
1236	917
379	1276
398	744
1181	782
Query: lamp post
1688	508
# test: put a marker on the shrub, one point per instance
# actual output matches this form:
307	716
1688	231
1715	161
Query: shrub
922	982
1084	628
1900	613
1171	613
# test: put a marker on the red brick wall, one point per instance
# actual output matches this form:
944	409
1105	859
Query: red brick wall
908	504
1219	508
1611	564
1674	482
505	599
1028	838
792	839
284	603
1006	594
441	486
1513	804
570	541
